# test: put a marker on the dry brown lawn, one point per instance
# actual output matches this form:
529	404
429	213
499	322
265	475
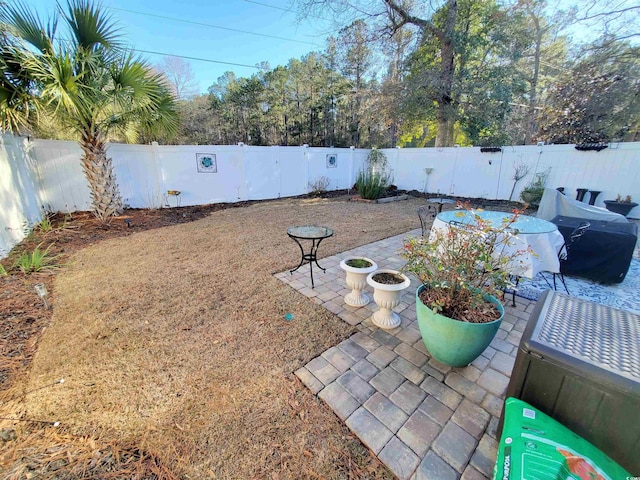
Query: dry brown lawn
174	340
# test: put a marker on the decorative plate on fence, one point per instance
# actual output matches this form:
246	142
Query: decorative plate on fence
206	163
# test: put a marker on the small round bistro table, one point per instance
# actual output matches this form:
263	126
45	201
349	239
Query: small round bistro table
441	202
316	235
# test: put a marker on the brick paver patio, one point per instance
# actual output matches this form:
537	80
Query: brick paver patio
423	419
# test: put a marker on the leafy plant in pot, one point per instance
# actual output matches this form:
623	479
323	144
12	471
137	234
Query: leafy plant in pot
463	271
533	192
357	269
620	206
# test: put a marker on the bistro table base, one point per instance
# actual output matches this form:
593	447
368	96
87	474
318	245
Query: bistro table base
316	235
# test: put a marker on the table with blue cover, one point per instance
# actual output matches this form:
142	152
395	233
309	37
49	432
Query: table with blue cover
537	240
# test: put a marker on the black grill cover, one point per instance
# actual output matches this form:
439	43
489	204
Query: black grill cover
604	252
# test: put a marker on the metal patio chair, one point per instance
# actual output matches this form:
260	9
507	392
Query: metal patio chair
565	251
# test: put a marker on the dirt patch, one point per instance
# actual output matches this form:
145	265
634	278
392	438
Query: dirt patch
388	278
483	313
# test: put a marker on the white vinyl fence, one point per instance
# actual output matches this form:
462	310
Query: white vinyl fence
46	175
20	192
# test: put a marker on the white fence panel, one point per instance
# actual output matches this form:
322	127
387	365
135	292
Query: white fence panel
137	175
408	168
64	186
179	171
359	163
333	164
19	192
262	173
466	171
293	170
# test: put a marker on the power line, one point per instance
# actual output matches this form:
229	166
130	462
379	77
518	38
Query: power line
180	56
213	26
195	58
282	9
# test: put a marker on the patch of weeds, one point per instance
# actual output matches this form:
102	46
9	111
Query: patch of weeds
36	261
45	225
319	186
3	271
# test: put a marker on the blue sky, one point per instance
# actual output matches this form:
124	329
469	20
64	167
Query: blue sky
172	37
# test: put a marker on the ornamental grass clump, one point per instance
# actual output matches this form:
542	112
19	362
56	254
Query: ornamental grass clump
371	185
373	181
461	266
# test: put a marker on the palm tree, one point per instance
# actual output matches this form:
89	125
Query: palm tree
87	83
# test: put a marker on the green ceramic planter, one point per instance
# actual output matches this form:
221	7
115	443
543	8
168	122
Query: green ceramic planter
453	342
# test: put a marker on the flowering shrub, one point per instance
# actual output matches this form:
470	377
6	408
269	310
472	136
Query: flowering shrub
460	266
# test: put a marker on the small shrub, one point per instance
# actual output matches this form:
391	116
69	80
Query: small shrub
36	261
532	194
371	185
459	266
3	271
320	185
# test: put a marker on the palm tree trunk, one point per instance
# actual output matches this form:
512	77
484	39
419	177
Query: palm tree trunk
98	169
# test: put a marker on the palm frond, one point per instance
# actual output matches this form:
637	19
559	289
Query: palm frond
140	98
59	83
17	104
91	26
164	121
26	25
15	109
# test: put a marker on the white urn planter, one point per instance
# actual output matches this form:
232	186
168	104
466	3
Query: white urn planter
387	296
357	281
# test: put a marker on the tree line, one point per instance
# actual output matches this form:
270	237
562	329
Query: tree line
469	72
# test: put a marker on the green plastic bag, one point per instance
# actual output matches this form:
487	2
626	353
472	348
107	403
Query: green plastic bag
536	447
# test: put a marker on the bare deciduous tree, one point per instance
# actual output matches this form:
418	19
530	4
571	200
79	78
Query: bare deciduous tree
616	19
520	170
180	76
